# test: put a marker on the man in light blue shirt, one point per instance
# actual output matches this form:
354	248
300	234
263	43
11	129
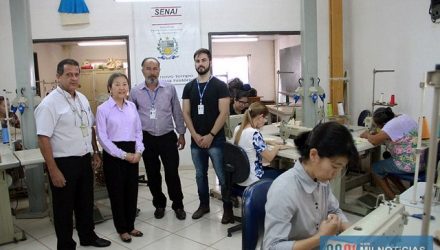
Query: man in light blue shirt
158	105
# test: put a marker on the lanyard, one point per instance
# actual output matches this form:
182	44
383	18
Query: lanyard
155	95
73	107
203	91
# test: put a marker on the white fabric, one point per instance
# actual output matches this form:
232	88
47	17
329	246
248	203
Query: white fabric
55	119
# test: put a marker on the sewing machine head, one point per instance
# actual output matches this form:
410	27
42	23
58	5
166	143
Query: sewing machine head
232	122
387	219
289	130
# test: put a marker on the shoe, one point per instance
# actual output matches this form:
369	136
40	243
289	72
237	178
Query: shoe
180	214
125	237
228	216
136	233
99	242
200	212
159	213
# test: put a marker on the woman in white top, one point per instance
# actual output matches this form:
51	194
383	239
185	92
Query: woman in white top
248	137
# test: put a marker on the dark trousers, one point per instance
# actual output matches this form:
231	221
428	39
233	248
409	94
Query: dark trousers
77	197
121	179
165	147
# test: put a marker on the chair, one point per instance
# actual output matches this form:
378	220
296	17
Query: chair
236	167
253	212
361	119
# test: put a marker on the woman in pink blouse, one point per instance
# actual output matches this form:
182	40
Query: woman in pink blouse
120	135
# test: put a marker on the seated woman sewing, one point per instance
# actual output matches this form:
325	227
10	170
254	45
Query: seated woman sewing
248	137
399	133
300	205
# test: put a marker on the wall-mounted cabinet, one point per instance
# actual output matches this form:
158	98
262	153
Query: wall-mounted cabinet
93	84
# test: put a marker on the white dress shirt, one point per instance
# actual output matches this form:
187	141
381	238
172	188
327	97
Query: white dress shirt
60	117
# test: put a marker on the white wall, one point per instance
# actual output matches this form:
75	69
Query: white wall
108	18
7	69
49	55
261	74
396	34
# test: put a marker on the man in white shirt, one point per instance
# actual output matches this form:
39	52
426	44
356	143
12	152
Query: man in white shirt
67	141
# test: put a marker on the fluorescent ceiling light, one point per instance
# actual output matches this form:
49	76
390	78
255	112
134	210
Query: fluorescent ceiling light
101	43
234	39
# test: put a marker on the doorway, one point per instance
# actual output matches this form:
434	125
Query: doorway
99	57
257	56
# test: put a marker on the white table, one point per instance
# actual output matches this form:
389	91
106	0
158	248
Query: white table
32	161
414	226
271	132
7	231
283	112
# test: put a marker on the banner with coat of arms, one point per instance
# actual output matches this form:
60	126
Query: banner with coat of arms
170	32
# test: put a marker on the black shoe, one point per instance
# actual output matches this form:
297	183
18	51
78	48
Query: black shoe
159	213
180	214
99	242
200	212
228	216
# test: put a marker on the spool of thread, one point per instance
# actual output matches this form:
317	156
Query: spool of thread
329	109
425	129
341	108
392	100
381	98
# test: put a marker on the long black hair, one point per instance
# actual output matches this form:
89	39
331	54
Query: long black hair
383	115
330	139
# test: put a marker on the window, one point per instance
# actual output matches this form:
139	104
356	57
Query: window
227	68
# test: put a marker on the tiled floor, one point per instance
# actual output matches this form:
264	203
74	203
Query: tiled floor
162	234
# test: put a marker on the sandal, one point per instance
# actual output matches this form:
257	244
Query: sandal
125	237
136	233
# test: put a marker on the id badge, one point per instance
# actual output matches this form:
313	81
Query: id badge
84	130
153	113
201	109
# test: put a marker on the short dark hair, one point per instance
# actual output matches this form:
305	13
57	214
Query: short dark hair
240	94
203	51
148	58
68	61
383	115
331	139
113	77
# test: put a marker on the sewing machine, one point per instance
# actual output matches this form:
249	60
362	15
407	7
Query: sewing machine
387	219
288	130
230	124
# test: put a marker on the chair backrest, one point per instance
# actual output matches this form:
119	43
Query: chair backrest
253	212
361	119
235	162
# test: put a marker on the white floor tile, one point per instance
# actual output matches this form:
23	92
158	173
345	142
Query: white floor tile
39	228
175	242
25	245
205	231
229	243
151	234
170	223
